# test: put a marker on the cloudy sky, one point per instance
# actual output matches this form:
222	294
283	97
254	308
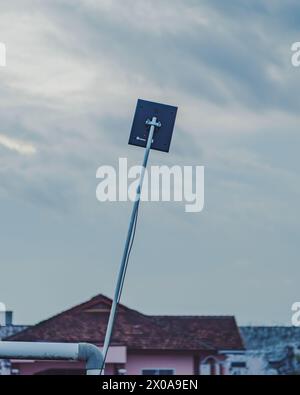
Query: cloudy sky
75	69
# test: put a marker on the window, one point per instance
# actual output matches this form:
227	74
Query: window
238	364
158	372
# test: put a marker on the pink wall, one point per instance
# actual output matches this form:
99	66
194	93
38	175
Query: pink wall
181	363
30	368
116	355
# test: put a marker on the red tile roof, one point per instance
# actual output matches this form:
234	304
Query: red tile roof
87	323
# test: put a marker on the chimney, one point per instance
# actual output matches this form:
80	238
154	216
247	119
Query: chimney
8	318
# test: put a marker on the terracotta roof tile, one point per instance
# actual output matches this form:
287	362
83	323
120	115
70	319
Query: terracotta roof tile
87	323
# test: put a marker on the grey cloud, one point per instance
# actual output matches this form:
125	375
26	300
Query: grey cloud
75	70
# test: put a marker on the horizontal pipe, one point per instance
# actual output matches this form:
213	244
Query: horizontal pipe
39	351
85	352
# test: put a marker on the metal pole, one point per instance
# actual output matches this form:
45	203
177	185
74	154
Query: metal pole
153	123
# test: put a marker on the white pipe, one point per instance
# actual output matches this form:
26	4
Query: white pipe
92	356
88	353
51	351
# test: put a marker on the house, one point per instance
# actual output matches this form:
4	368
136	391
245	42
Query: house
141	344
8	328
272	350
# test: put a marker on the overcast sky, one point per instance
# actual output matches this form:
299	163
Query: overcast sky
75	69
